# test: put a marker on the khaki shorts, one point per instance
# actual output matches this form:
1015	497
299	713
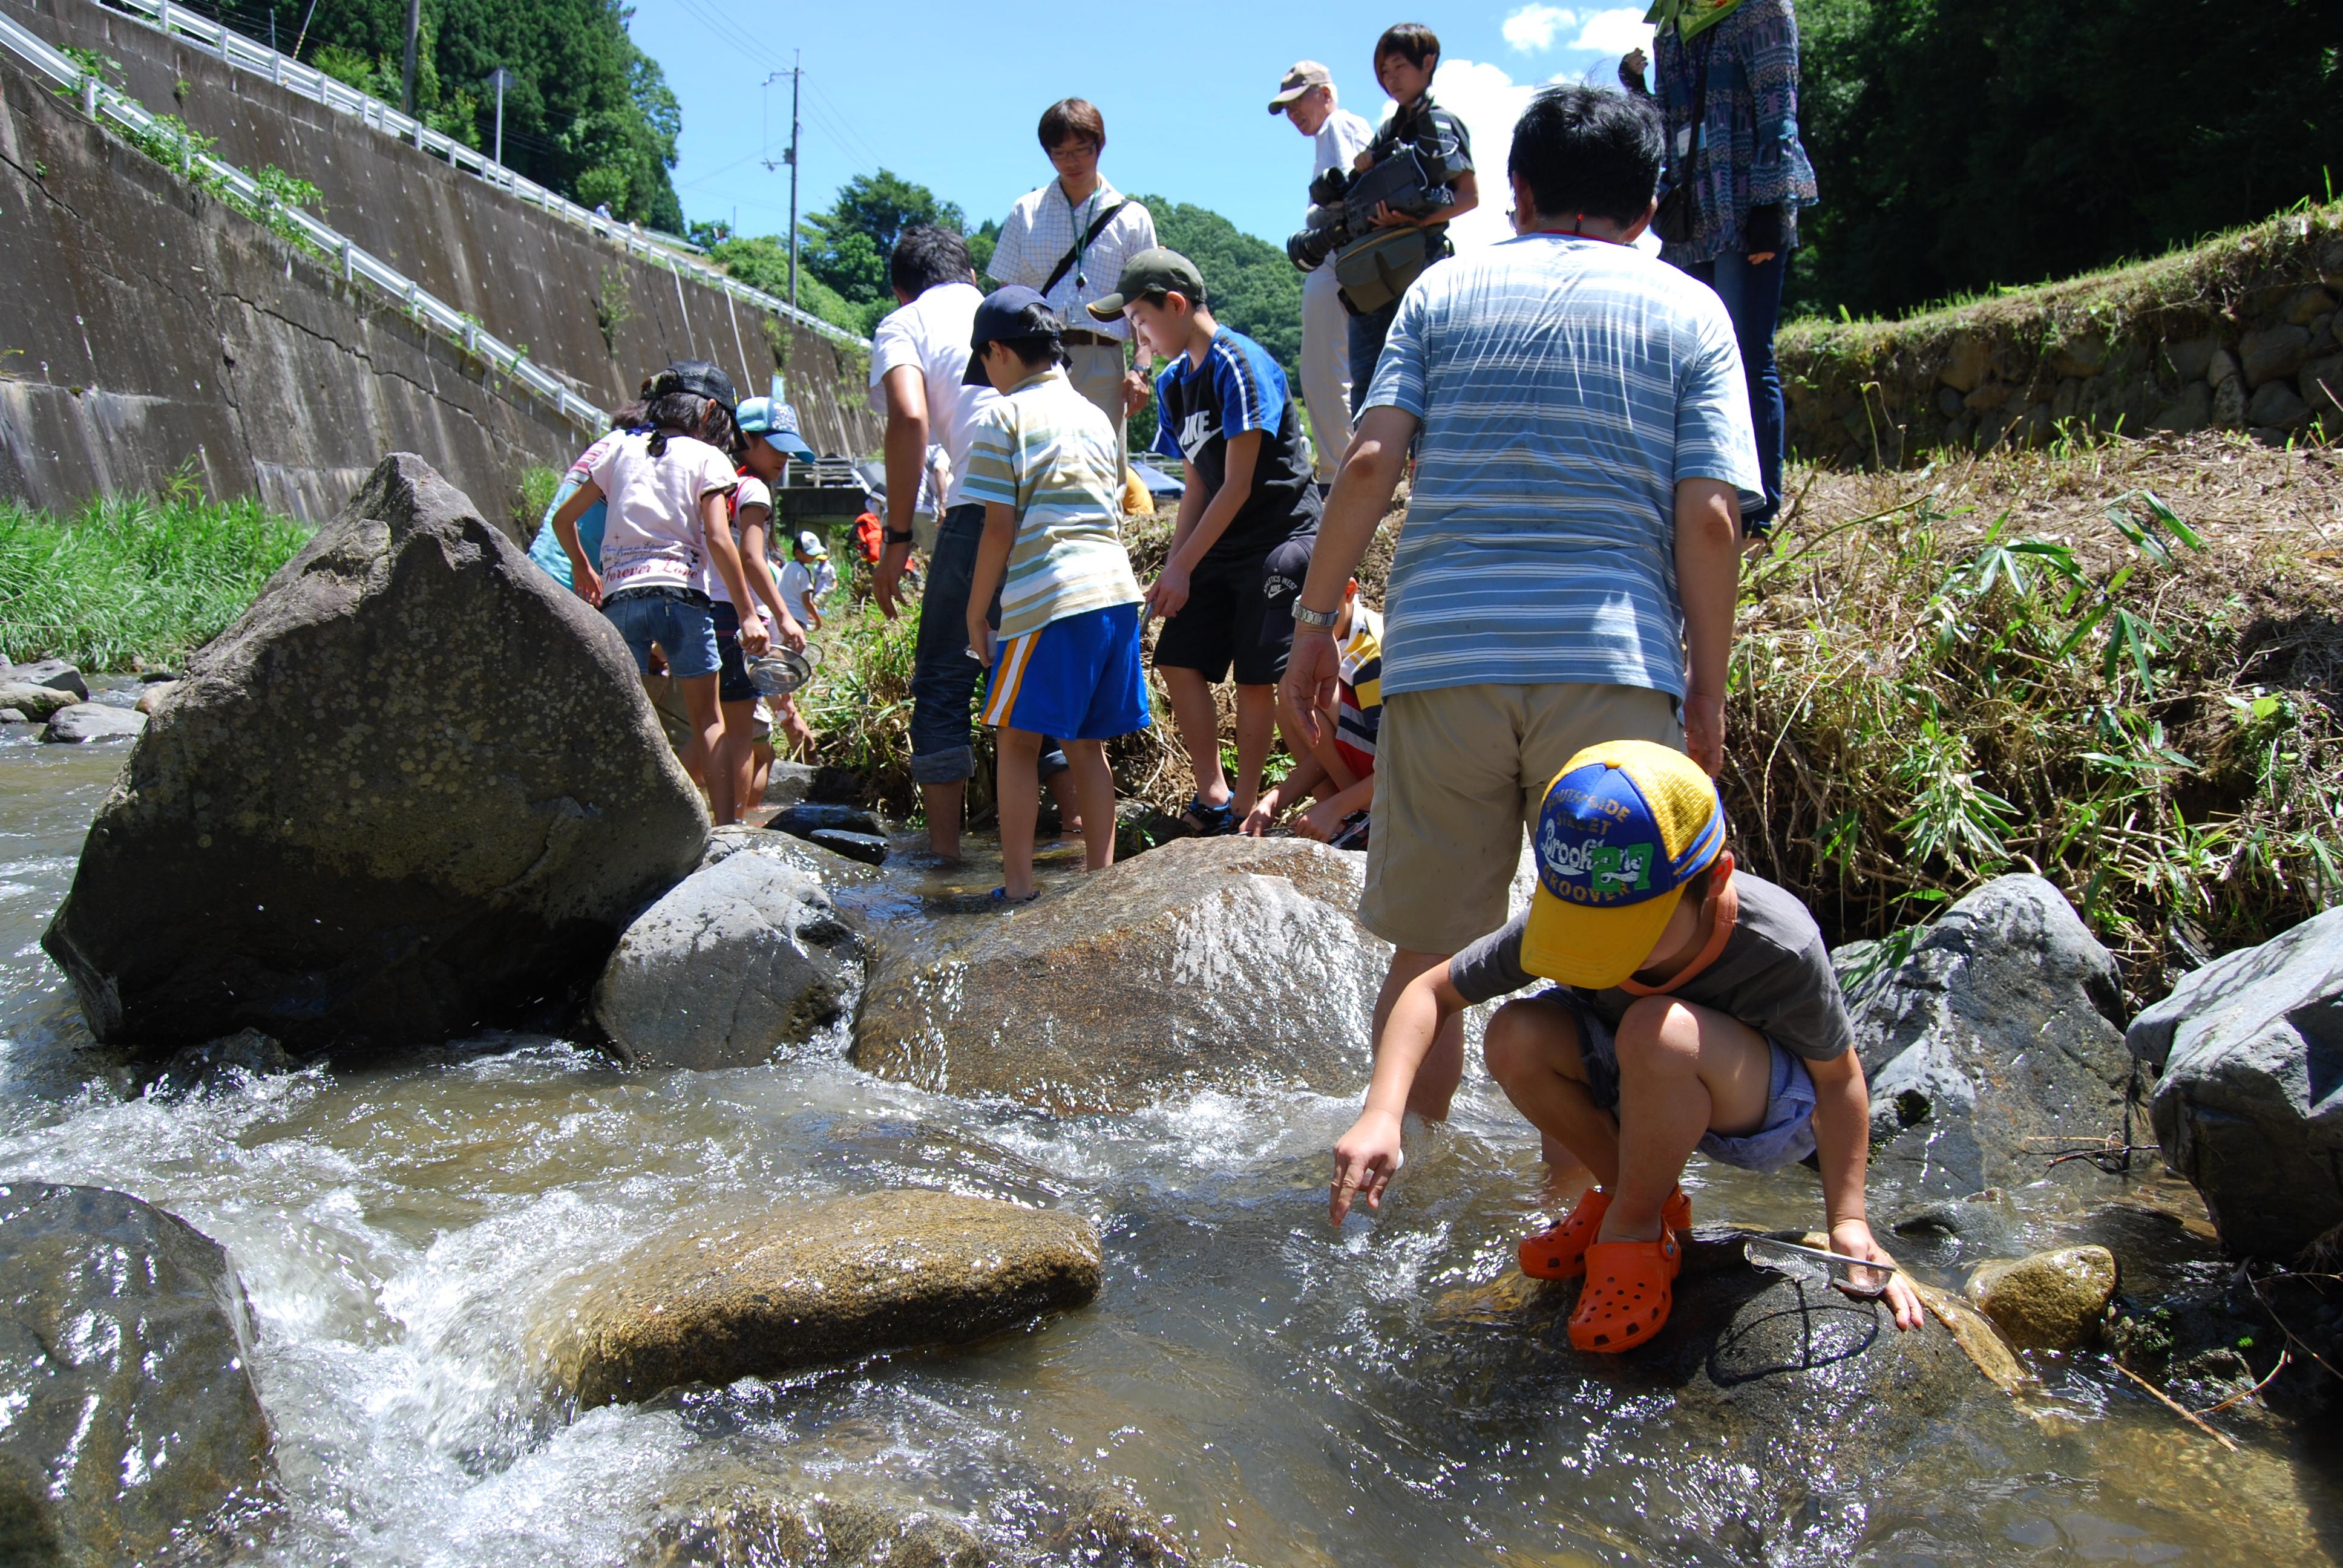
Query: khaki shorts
1459	771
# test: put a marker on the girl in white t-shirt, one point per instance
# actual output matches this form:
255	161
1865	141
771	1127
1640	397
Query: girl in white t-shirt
668	487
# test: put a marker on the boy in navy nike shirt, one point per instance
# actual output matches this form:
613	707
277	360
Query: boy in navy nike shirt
1249	515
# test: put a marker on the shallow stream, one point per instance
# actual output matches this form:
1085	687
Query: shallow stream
1281	1392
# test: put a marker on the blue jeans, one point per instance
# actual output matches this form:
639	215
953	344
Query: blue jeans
944	674
1367	334
679	621
1753	297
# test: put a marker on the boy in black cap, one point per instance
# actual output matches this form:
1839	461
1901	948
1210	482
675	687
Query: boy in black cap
1227	591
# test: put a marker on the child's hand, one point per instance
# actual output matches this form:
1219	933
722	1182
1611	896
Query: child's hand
1365	1158
754	640
1171	590
1852	1239
1318	823
587	583
792	634
980	638
1259	819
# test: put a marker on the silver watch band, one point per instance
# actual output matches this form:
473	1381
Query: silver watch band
1323	619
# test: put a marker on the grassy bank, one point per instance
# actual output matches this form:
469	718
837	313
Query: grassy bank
136	581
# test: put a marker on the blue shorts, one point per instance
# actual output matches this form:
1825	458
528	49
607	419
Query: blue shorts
1080	678
679	621
1787	1135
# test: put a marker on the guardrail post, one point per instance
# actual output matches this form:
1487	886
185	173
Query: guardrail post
346	275
89	94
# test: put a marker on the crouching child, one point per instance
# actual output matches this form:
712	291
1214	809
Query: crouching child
1066	660
1693	1008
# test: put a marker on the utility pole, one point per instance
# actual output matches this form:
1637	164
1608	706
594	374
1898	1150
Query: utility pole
794	73
414	26
500	79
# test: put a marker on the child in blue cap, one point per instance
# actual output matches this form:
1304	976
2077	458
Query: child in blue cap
1696	1008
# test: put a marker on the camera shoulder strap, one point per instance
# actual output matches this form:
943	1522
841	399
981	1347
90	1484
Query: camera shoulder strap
1066	262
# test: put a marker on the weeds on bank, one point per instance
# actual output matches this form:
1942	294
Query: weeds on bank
134	580
2045	667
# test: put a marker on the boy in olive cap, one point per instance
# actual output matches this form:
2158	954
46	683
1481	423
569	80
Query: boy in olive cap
1226	591
1696	1008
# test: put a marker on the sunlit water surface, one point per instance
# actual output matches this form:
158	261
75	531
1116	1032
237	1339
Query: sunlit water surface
1282	1393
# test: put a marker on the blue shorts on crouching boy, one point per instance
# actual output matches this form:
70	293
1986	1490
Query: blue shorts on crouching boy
1079	678
1787	1135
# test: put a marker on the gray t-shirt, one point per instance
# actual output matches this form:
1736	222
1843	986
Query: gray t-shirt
1773	974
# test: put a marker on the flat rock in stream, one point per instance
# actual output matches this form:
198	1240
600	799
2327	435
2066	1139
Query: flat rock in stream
131	1430
416	791
55	674
731	964
825	1282
1992	1043
84	722
36	703
1210	963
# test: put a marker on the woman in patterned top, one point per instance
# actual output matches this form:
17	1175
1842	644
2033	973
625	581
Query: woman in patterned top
1736	65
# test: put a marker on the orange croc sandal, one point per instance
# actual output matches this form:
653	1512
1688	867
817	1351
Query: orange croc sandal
1628	1294
1559	1252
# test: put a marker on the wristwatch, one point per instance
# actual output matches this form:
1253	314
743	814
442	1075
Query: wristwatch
1323	619
902	538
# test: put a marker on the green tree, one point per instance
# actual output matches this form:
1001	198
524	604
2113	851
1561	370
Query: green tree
587	114
762	261
1962	144
848	247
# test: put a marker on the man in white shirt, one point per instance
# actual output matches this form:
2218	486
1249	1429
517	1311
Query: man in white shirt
1306	96
919	362
1069	241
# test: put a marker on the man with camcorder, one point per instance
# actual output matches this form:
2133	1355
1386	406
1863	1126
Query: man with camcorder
1388	220
1306	97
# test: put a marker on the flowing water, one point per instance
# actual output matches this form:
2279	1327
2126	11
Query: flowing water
1281	1392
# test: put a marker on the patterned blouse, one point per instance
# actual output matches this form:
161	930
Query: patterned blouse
1751	157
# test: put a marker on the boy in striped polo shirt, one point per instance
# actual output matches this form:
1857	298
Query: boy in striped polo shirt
1065	661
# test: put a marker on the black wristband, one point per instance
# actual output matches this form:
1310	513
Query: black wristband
895	539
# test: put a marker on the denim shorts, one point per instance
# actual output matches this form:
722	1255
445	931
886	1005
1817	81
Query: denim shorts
1787	1135
732	682
681	620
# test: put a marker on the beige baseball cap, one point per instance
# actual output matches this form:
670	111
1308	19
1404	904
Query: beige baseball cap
1300	78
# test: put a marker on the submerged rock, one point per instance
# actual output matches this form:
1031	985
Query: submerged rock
824	1281
1995	1032
229	1064
732	963
2251	1105
752	1526
415	791
87	721
1208	963
868	849
132	1434
807	819
2048	1301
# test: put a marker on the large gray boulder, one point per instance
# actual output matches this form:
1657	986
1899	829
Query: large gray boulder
133	1431
1207	963
415	790
1994	1041
2250	1108
731	964
819	1282
83	722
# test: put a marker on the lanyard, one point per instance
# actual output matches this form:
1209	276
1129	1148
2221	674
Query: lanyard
1082	236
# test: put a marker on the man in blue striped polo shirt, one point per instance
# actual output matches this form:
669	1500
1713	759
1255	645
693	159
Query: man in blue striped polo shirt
1566	572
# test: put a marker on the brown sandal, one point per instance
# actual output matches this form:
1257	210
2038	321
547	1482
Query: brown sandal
1628	1294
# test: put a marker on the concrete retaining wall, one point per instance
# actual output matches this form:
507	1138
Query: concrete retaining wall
148	323
2240	332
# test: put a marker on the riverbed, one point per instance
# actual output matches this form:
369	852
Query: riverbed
1277	1391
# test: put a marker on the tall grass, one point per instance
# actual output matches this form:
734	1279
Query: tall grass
133	581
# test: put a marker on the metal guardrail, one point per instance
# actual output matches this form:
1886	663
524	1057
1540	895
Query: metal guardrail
241	53
101	103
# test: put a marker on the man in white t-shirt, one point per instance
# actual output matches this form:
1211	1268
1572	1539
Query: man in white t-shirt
919	364
1306	96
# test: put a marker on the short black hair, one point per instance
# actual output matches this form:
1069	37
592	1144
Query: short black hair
928	256
1070	119
1413	39
1587	150
1036	348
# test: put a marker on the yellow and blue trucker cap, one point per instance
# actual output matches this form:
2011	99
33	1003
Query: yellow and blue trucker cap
1624	826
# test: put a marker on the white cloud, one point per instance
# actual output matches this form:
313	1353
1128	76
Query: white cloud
1613	32
1536	28
1488	100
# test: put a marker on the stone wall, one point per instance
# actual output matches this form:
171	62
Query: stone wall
142	323
2240	332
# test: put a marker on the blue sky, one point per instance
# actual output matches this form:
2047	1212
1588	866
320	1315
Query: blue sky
949	94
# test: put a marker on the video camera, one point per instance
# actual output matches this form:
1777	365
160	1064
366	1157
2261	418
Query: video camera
1342	204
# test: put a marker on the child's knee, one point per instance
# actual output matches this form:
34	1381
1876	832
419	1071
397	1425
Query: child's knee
1525	1037
1656	1030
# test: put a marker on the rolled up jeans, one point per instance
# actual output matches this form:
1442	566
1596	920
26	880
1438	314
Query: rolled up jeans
944	675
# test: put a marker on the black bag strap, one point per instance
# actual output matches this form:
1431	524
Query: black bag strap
1699	126
1066	262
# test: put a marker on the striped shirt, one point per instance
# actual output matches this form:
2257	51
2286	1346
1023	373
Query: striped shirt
1358	691
1043	226
1565	386
1045	451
